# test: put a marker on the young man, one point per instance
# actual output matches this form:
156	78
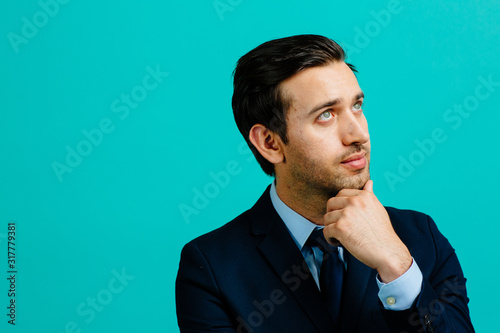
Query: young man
299	107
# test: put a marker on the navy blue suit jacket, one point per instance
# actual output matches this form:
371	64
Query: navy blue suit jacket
249	276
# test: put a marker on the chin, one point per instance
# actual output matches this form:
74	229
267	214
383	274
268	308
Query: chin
356	182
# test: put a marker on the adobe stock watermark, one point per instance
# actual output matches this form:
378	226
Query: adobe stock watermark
96	303
219	180
264	309
48	9
122	107
222	7
373	28
297	274
454	117
436	307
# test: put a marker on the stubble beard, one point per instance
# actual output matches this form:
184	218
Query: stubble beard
318	179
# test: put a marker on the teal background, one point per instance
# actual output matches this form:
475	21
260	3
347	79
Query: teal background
120	207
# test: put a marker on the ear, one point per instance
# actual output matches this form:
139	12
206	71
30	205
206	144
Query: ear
268	143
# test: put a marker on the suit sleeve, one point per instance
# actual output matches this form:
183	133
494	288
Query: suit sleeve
441	306
198	300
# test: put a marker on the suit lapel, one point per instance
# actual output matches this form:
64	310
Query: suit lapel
283	255
354	292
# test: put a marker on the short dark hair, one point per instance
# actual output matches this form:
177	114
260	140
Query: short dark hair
257	97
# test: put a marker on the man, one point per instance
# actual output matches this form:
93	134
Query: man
300	109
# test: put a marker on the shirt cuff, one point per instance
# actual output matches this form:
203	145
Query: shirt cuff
400	294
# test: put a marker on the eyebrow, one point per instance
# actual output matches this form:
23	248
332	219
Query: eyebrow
333	102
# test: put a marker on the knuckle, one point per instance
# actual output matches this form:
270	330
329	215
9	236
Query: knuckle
340	228
351	201
349	212
342	224
330	203
360	201
328	219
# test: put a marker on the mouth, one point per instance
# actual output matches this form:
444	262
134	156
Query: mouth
356	161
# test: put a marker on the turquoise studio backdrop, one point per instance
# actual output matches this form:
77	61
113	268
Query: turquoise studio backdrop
115	124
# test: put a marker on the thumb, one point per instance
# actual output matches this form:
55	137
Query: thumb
369	186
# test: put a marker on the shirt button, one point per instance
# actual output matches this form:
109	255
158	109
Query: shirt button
390	300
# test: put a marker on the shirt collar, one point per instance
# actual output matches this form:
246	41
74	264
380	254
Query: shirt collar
299	227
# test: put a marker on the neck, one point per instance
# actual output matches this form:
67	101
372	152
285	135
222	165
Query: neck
304	201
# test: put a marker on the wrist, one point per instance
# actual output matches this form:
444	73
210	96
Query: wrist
394	267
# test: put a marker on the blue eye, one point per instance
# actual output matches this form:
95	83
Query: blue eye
357	106
325	115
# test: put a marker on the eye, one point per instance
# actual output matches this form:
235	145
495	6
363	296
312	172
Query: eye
357	106
325	116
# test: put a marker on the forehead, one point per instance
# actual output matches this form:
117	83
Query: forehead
317	85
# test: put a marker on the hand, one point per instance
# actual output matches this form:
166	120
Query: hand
361	224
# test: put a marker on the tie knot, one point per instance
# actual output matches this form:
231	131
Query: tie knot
318	240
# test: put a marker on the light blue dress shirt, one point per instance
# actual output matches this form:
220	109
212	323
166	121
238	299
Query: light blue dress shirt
395	295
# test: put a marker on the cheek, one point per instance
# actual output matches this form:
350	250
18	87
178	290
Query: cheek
304	142
315	142
310	139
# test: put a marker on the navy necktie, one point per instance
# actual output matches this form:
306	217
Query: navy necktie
331	274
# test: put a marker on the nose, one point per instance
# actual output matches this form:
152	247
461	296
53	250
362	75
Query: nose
354	129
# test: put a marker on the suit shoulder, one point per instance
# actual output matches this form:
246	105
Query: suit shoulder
225	234
411	222
407	213
407	216
419	232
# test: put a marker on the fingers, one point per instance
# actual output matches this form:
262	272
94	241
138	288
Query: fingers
337	203
333	216
330	231
369	186
347	198
346	192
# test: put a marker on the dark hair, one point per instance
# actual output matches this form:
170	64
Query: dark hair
257	97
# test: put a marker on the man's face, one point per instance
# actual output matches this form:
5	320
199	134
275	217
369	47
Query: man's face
329	145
